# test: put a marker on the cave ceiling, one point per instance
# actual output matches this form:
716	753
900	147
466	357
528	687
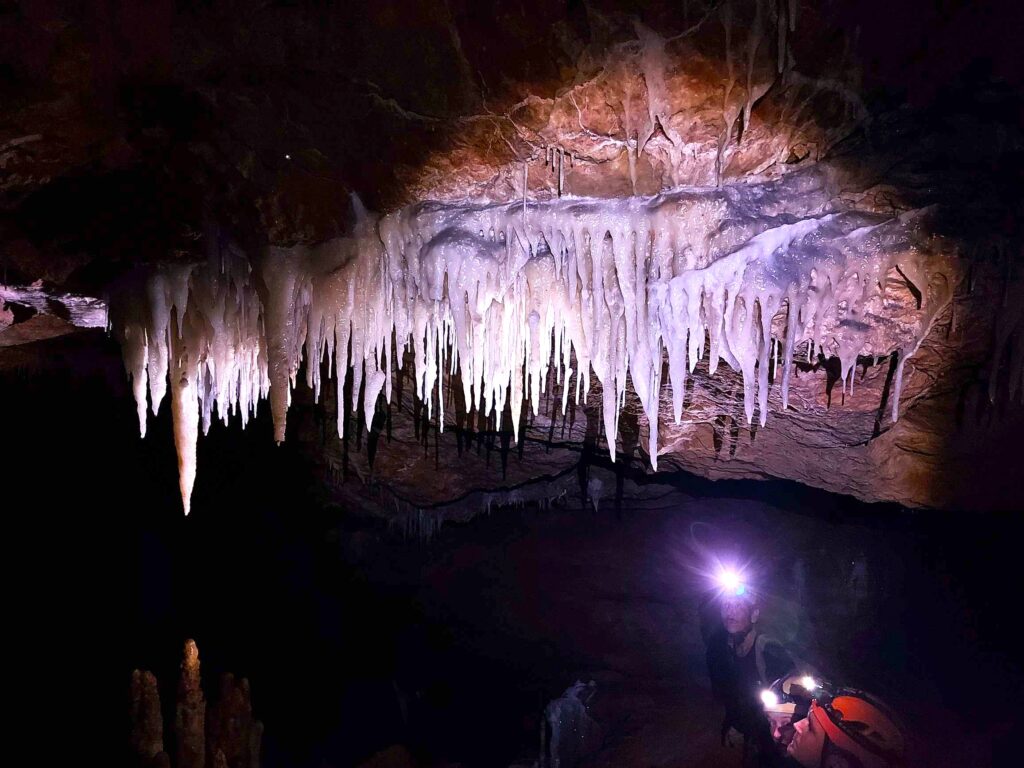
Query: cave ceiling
786	233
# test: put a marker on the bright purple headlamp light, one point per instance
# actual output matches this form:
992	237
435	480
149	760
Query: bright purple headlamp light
731	583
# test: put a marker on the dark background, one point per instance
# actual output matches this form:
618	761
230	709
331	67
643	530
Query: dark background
327	613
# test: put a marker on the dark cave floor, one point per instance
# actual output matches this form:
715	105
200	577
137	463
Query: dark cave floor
614	596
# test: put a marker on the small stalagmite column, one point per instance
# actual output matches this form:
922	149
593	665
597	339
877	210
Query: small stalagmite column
147	719
190	715
223	735
231	731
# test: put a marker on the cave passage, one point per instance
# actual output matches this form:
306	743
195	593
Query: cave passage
356	639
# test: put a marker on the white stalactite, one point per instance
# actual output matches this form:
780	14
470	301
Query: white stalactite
502	292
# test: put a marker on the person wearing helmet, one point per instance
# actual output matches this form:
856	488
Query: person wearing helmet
741	663
786	703
850	729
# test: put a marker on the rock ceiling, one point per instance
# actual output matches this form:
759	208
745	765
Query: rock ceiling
662	186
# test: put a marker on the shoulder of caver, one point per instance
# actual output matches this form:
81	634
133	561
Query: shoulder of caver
766	646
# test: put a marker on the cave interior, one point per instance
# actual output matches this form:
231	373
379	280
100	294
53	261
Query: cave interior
416	364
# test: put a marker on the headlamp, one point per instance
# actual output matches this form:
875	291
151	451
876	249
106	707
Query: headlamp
731	583
793	694
851	718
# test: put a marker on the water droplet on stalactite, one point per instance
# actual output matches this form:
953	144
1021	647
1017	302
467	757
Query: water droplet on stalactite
568	288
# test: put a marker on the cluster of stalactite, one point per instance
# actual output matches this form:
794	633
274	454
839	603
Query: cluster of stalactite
750	275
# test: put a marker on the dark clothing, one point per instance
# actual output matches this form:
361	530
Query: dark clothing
737	682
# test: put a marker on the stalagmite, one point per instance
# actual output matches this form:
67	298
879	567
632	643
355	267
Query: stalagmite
190	713
147	722
231	729
503	292
225	730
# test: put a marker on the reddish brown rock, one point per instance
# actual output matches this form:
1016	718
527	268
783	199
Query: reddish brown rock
231	737
190	714
147	719
232	734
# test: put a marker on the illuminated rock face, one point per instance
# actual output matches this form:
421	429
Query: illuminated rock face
190	713
619	199
750	275
221	734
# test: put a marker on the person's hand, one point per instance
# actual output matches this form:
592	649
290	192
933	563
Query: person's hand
733	738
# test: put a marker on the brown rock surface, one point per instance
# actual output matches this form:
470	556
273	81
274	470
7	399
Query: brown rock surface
190	713
233	736
147	719
223	733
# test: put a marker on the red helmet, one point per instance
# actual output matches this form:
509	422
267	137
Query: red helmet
860	725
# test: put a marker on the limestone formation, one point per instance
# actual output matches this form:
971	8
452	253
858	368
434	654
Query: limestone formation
190	712
146	717
614	199
224	734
